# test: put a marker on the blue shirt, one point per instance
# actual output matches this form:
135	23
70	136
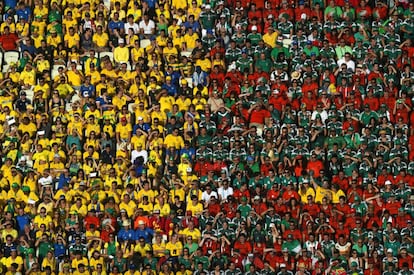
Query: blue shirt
31	49
126	235
115	25
22	221
87	91
171	89
10	3
144	127
63	180
60	249
25	13
146	233
190	152
175	78
151	3
195	26
102	102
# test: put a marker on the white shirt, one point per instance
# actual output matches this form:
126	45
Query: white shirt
46	181
142	153
323	114
134	26
224	193
349	64
148	28
206	196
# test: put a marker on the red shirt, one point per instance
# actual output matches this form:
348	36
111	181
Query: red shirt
372	102
217	76
288	195
313	209
257	13
392	207
299	11
8	41
258	116
244	248
316	166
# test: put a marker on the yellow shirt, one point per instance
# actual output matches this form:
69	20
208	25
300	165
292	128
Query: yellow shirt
194	11
40	26
166	103
195	209
174	141
43	220
304	195
321	193
142	250
167	52
23	29
337	195
149	193
37	41
73	40
195	233
177	192
137	53
28	77
101	40
175	249
9	261
94	262
53	41
190	40
183	104
42	65
121	54
130	207
70	23
179	4
74	78
146	207
82	210
12	27
204	64
124	130
270	39
12	232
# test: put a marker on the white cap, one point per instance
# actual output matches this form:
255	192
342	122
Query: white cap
303	16
282	265
208	7
121	40
254	28
387	182
140	118
389	250
189	169
256	198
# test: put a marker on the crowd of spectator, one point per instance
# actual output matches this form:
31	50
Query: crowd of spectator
207	137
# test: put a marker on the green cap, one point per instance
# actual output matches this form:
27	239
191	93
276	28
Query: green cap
26	188
15	185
